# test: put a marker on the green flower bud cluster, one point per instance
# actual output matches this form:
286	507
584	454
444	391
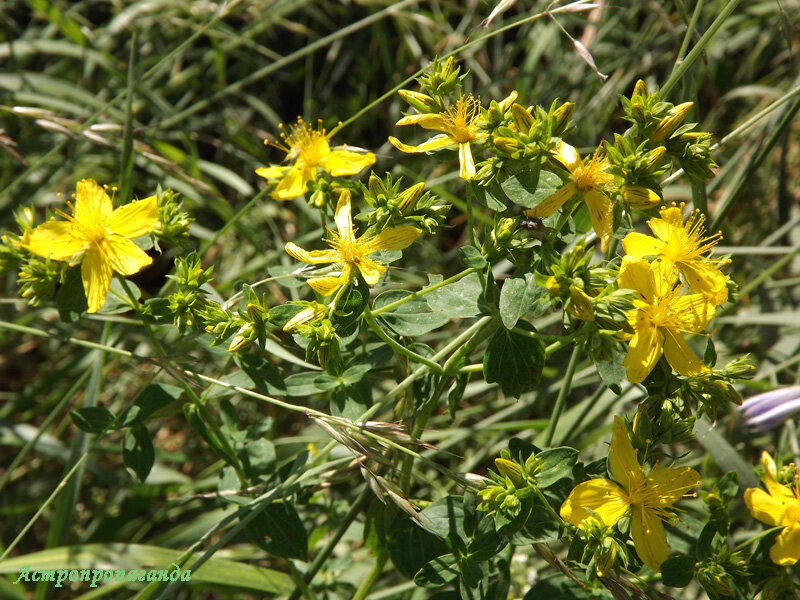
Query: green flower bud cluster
173	221
186	305
440	80
394	207
246	325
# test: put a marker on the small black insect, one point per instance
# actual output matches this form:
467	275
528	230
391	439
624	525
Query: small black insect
531	223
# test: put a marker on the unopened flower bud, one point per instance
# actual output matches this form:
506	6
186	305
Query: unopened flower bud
563	115
511	470
580	304
505	230
640	89
507	144
667	126
243	338
408	198
422	102
655	158
523	120
307	315
556	287
255	312
638	196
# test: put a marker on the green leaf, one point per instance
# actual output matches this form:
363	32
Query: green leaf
307	384
71	299
677	571
470	257
521	187
350	305
485	546
555	464
138	453
514	361
491	196
154	397
410	546
280	273
117	300
258	458
412	318
265	377
612	371
462	299
280	523
92	419
215	571
283	313
444	517
517	297
437	572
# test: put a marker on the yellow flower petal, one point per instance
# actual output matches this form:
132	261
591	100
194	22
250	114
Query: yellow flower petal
466	164
601	211
639	245
125	257
636	274
435	143
567	155
135	219
294	183
692	312
644	350
371	270
342	216
395	238
272	172
327	285
649	537
312	257
96	276
786	549
345	162
771	478
602	496
767	509
622	457
670	484
427	121
680	356
54	240
92	204
704	278
553	202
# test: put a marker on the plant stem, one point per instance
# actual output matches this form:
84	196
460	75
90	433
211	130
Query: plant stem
377	568
705	39
562	396
323	554
396	346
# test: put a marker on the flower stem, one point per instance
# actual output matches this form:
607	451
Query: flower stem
396	346
562	396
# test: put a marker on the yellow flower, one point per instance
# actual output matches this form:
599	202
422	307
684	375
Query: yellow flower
458	124
350	252
660	314
589	178
309	149
683	246
99	234
649	496
779	506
